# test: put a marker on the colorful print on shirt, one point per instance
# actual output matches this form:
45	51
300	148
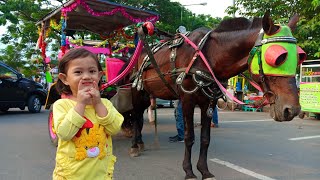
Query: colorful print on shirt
90	141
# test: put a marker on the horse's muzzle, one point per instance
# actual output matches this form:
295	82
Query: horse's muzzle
288	113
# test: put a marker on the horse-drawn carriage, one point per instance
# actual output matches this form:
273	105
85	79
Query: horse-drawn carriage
194	66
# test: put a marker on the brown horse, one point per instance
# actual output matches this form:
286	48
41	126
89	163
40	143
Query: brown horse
227	51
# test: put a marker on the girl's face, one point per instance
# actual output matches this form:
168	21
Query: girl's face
84	69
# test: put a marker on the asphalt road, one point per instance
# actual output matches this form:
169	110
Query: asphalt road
246	146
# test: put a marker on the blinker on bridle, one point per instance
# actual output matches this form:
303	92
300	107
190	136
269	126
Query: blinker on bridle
257	50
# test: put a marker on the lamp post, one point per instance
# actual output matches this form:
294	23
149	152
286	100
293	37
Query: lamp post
234	4
202	4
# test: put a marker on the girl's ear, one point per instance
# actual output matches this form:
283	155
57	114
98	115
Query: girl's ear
100	74
63	78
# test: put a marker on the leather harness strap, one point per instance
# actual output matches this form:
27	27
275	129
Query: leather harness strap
205	61
154	63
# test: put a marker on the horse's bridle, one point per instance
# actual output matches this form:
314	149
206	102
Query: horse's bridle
267	93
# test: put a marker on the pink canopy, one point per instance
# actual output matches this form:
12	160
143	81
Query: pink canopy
96	50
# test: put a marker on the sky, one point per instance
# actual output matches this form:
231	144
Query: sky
215	8
2	29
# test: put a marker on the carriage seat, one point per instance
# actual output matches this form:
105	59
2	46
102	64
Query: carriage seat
113	67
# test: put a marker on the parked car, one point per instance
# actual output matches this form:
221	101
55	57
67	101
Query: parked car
164	103
19	92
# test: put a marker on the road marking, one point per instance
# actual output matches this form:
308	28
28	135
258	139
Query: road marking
241	169
196	113
303	138
256	120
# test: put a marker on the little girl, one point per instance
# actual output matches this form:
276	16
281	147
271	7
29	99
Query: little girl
84	122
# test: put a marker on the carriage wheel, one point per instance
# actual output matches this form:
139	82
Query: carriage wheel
222	103
52	135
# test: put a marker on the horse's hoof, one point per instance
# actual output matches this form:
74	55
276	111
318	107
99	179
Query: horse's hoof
141	147
301	115
194	177
208	176
134	152
212	178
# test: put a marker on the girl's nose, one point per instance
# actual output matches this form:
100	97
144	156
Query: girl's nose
86	76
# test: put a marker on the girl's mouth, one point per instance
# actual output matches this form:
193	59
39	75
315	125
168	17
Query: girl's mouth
87	83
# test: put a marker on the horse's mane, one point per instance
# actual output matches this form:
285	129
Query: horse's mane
236	24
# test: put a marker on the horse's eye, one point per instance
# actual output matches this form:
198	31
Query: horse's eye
301	55
275	55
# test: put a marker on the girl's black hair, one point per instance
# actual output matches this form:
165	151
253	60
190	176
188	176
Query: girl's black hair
63	66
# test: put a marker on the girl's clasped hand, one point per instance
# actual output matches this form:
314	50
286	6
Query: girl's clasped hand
88	93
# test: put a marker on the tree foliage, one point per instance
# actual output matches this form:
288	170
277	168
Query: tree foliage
308	31
20	17
173	14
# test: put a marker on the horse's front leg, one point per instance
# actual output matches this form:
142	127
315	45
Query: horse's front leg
202	165
188	140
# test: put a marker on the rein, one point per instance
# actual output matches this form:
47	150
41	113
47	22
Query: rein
154	63
133	61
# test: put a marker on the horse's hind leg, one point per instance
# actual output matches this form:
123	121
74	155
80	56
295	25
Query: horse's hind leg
188	140
127	125
137	143
140	101
202	165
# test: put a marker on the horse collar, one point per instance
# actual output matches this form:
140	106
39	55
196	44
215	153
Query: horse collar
198	49
203	40
198	52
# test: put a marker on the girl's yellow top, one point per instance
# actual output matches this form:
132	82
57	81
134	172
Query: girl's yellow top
85	145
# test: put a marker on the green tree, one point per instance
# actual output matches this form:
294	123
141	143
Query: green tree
308	31
173	14
20	17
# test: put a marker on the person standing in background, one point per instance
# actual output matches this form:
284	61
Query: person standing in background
179	123
215	122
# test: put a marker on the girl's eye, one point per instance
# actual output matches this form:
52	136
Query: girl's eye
93	71
77	72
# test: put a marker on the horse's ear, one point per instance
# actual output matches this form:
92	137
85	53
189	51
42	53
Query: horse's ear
268	25
293	22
